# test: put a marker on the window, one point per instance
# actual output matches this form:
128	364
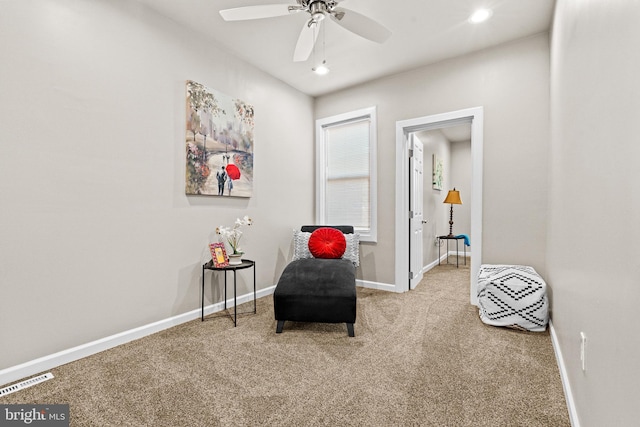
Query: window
346	171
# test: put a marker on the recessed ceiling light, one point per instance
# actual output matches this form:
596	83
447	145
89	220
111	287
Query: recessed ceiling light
480	15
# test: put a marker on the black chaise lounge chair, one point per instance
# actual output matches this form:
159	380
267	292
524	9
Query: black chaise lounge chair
317	290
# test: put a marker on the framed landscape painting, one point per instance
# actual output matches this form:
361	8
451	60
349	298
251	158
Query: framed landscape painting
437	173
219	144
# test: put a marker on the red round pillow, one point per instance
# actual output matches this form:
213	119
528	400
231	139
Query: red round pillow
327	242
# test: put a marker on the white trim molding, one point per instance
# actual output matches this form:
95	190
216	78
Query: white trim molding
404	128
41	364
375	285
568	395
369	114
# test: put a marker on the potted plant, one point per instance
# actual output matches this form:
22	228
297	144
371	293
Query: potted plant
233	235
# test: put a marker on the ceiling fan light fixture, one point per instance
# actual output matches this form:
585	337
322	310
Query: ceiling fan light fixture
480	15
321	69
317	11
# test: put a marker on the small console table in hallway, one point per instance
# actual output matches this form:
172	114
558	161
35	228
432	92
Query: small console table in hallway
457	239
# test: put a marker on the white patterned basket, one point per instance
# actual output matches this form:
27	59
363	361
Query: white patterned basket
513	296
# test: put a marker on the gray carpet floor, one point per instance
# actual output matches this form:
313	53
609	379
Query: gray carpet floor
421	358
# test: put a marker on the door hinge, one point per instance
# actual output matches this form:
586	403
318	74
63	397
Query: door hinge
410	152
411	275
411	214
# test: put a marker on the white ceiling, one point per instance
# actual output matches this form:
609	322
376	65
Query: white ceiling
456	133
452	133
424	32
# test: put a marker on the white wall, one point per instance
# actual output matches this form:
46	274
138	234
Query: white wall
511	82
594	202
96	233
461	180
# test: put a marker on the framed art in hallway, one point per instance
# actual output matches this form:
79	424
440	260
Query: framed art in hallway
219	143
437	172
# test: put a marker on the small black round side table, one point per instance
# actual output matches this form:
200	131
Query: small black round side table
246	263
457	239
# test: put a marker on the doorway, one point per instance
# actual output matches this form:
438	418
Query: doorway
404	131
447	160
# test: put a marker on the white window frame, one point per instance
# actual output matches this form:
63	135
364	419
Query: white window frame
369	234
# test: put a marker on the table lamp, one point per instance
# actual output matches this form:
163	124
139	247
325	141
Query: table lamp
453	198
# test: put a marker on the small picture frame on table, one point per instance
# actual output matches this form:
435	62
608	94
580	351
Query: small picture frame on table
219	255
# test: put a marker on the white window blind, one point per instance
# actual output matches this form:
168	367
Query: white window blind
348	178
346	184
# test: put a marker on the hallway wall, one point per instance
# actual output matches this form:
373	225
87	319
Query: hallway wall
593	202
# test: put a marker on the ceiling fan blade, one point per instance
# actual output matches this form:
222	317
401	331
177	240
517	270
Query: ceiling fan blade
306	41
360	25
257	12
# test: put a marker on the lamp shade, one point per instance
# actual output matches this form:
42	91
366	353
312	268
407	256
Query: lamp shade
453	197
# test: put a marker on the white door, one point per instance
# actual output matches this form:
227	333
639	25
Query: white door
416	166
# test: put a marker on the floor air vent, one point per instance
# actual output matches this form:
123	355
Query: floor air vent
25	384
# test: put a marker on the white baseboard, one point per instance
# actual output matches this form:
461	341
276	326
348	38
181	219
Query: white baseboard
573	414
433	264
41	364
443	259
376	285
461	253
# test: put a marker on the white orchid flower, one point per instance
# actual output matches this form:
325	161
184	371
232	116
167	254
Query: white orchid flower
233	235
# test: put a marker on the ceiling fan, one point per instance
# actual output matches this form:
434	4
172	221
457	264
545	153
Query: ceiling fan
318	10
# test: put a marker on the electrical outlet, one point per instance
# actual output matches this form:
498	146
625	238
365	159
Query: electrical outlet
583	348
